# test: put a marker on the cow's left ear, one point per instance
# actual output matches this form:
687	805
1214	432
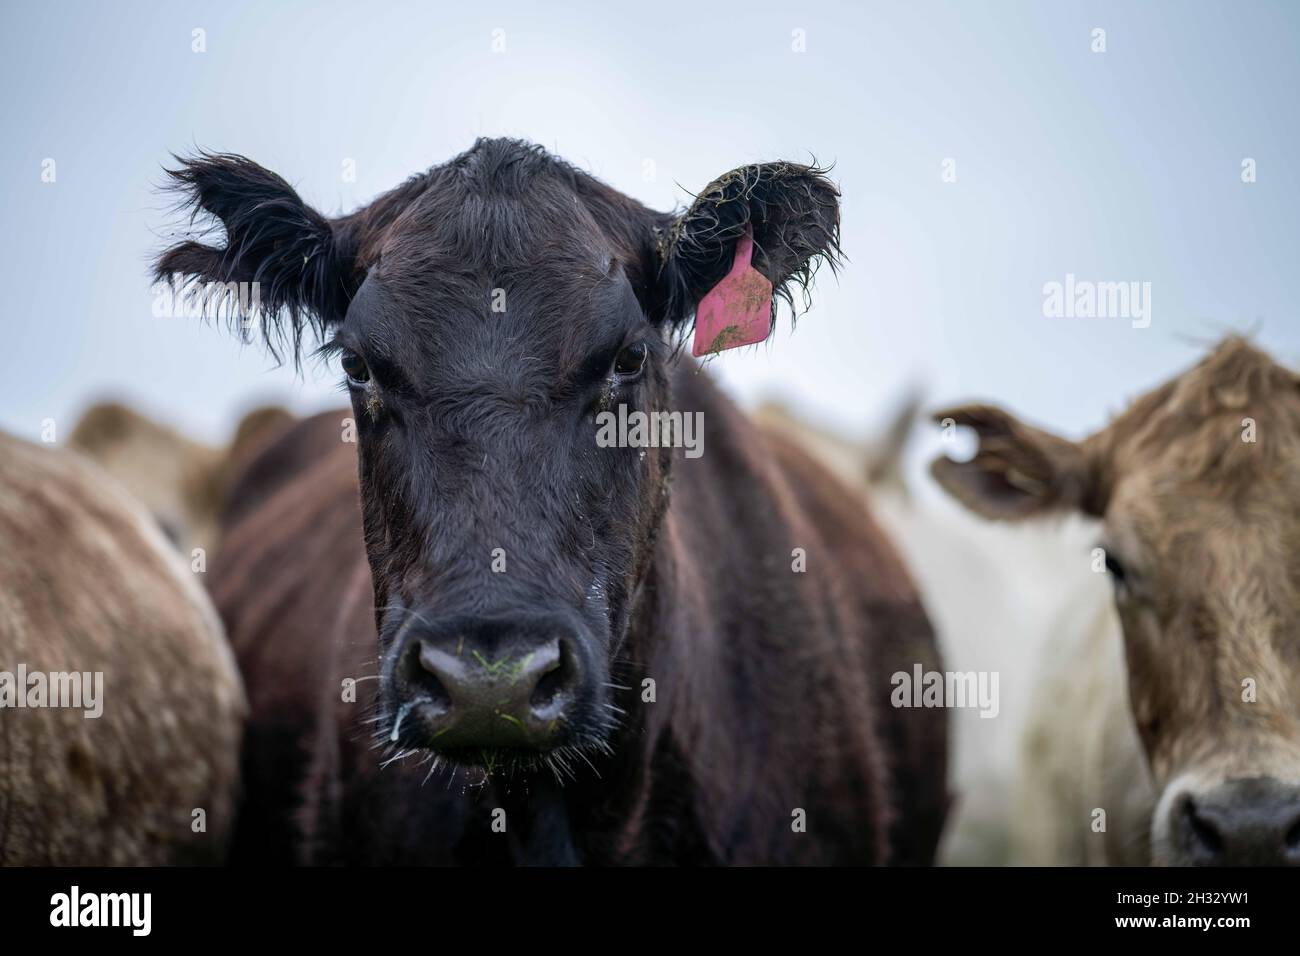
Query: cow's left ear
794	212
1018	471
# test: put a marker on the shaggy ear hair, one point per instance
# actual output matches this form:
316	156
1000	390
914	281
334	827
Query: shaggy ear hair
1019	471
272	238
795	213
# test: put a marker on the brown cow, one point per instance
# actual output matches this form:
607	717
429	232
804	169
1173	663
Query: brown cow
138	763
180	481
617	645
1197	484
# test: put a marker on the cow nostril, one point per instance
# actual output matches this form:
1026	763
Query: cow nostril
1205	832
547	694
426	678
435	693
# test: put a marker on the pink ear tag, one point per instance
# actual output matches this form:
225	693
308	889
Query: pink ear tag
738	310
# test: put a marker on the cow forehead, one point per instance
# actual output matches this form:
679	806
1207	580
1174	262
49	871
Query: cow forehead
486	224
495	255
1228	428
450	329
1195	540
1226	461
1169	507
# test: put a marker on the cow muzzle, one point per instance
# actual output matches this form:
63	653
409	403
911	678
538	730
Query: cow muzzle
477	684
1244	821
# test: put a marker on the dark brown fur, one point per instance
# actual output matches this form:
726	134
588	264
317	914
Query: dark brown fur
770	698
484	311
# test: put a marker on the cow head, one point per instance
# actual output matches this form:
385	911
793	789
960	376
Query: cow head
1196	484
483	314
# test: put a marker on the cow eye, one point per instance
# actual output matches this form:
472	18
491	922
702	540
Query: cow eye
354	367
631	360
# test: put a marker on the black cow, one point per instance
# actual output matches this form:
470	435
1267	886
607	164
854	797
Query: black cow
584	654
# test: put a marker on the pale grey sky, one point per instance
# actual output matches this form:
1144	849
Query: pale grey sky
1111	166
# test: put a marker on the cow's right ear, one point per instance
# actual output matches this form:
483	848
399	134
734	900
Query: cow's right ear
1019	471
303	273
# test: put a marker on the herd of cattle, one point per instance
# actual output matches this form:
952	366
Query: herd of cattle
443	626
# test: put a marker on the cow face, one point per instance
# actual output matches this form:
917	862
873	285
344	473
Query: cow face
484	314
1196	485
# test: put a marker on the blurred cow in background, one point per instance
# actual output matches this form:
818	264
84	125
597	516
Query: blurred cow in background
1000	597
1196	484
180	481
120	706
1080	751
